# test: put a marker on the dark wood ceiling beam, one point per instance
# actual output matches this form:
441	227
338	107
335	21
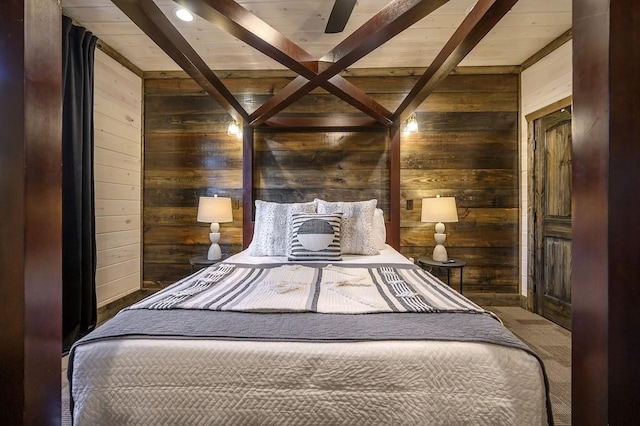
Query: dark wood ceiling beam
386	24
338	86
287	96
317	66
150	19
393	19
242	24
322	123
229	16
478	22
346	91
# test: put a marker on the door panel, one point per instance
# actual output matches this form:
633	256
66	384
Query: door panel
558	170
552	224
557	280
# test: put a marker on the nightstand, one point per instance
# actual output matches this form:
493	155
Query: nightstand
199	262
425	261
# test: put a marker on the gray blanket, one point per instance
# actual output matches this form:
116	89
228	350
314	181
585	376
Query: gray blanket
304	326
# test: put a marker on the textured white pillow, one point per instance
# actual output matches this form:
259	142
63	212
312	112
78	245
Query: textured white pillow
357	224
379	229
270	234
314	236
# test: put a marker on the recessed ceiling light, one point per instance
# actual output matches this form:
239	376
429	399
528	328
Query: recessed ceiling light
184	15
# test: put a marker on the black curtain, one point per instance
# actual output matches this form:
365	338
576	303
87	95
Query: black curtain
79	310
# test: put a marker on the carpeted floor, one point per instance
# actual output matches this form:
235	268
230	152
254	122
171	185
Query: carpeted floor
550	341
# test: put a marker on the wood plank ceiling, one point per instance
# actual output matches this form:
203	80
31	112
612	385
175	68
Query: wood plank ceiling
313	70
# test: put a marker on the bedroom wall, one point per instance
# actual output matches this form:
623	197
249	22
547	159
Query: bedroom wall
467	147
187	154
301	166
118	177
545	82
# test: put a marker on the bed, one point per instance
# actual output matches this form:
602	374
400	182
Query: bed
299	339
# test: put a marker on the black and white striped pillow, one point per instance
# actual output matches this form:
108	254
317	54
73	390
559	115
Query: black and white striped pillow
315	237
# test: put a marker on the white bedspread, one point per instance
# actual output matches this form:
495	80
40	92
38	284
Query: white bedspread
180	382
187	382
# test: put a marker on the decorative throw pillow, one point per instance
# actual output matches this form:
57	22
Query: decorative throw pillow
357	224
271	224
379	229
315	237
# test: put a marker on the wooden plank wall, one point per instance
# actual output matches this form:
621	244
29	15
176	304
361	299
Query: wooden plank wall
333	166
118	168
467	147
187	154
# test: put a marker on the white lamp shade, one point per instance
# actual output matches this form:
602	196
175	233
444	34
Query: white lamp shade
439	209
214	209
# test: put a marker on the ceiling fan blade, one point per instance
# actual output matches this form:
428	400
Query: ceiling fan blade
339	16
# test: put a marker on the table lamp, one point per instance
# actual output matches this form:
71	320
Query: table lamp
215	210
439	210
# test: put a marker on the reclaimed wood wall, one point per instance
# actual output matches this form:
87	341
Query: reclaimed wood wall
467	147
301	166
187	154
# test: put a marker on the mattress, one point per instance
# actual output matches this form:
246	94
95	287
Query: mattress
143	367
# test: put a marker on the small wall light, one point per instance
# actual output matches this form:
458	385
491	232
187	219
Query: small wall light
411	125
234	129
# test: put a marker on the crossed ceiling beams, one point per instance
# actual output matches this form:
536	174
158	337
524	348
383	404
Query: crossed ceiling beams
396	17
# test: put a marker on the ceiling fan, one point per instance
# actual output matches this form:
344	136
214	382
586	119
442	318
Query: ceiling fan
339	16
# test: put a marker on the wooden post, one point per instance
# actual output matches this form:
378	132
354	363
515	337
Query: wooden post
606	223
31	194
393	228
247	185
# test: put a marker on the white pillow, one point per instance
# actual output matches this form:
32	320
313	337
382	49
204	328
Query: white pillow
379	229
357	224
314	236
270	234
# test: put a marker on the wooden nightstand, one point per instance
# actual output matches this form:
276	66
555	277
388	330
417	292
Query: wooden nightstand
199	262
426	261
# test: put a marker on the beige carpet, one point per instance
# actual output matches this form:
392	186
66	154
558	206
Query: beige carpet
550	341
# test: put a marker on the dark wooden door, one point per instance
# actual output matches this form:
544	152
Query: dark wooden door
552	216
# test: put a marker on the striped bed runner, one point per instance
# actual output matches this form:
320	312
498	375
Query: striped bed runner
344	289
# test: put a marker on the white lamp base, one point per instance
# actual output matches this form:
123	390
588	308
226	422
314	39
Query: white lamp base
439	252
214	252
